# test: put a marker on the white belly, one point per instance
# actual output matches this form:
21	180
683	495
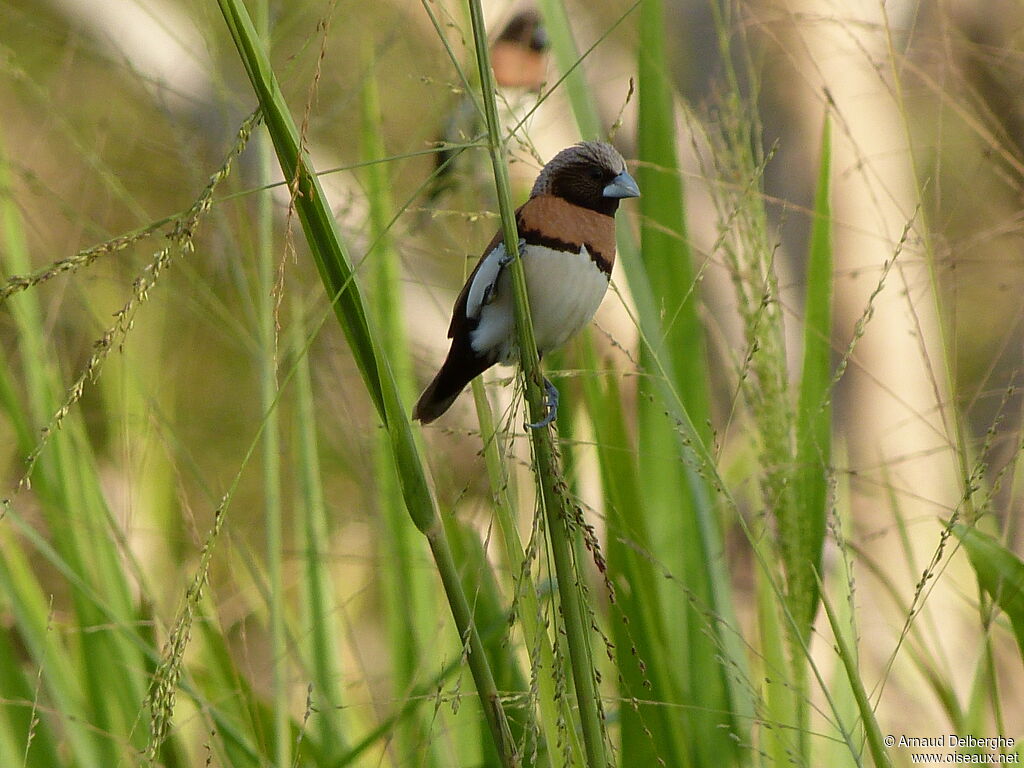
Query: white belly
565	291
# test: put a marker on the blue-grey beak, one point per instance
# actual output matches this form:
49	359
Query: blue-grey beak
622	185
540	41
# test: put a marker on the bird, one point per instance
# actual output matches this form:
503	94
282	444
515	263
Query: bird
519	54
519	58
567	246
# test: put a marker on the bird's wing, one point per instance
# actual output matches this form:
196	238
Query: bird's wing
479	287
485	282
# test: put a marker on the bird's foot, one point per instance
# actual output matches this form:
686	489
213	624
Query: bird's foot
550	402
506	258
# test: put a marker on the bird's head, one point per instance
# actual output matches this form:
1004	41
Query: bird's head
526	29
591	174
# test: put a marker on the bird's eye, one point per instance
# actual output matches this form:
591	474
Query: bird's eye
595	173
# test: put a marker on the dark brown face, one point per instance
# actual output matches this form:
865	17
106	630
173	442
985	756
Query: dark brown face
526	29
583	182
590	174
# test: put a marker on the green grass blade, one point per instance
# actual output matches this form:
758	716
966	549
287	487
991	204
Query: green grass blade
814	411
651	731
1000	573
778	709
567	58
675	350
337	275
554	713
665	245
236	719
848	656
322	628
86	540
408	607
845	717
23	731
314	214
62	682
480	582
266	363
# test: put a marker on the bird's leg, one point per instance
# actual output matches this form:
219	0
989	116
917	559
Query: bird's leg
550	402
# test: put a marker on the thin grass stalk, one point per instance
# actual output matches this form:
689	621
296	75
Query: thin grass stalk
241	737
777	710
831	751
22	731
876	746
553	709
915	644
407	610
768	571
266	321
322	628
336	273
549	479
480	581
936	332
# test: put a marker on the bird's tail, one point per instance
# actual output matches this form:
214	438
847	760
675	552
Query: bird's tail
460	367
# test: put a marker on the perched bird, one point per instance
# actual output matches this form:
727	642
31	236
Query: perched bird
519	58
567	244
519	54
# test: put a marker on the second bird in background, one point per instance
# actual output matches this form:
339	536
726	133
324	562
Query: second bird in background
519	58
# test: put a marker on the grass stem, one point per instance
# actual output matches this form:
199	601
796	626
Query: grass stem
336	272
549	478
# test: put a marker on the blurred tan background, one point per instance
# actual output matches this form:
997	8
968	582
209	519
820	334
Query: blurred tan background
115	112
